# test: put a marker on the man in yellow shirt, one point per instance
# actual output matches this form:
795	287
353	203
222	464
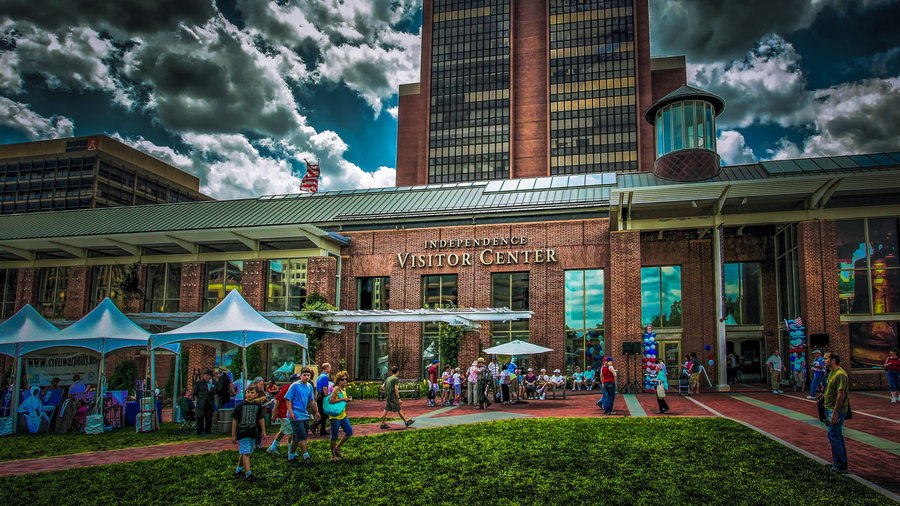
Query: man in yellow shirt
837	403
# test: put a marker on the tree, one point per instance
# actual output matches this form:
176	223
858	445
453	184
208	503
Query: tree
314	334
449	338
123	376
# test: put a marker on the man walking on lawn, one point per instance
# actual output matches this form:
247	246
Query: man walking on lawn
300	398
279	409
837	403
392	398
321	393
608	377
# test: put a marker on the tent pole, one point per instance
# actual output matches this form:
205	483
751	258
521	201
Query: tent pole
244	375
155	423
176	392
101	383
14	402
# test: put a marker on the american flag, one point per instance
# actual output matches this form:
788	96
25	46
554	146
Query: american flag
798	321
310	181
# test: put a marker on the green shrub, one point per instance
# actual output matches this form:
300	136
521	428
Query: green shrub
124	376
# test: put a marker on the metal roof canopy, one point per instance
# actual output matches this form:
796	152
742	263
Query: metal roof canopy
458	317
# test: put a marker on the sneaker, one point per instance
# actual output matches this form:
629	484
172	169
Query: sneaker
660	412
238	475
409	422
384	426
273	451
293	461
307	461
781	391
836	469
893	401
456	404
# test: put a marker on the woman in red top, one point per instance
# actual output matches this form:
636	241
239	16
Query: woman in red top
892	366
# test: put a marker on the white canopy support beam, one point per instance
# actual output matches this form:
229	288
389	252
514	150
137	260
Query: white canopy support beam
127	247
823	193
191	247
720	202
253	244
24	253
313	235
72	250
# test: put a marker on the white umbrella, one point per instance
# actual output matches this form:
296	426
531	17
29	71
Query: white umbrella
517	348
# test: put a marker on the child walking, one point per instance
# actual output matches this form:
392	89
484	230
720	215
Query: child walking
247	424
457	385
339	400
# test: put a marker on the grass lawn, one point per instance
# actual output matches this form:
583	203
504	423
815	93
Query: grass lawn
20	447
543	461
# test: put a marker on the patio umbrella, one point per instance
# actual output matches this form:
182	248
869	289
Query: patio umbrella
517	348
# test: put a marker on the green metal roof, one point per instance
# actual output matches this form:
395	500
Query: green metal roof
500	197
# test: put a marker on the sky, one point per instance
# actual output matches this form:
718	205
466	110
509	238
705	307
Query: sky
241	92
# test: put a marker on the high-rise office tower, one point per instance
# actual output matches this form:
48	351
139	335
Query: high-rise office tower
526	88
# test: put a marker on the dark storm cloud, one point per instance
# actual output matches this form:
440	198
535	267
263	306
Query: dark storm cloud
707	30
124	16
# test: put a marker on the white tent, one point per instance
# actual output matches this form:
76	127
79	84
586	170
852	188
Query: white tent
26	325
232	321
517	347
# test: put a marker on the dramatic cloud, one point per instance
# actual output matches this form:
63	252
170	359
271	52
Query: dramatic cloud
765	86
859	117
709	30
19	117
733	149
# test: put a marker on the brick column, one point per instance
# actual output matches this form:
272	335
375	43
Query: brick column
27	287
817	273
78	293
192	286
254	283
321	277
624	295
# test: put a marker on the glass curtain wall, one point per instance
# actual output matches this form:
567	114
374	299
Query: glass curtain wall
869	287
103	284
8	279
372	338
584	310
661	296
163	291
510	290
786	273
222	277
743	294
469	120
437	291
593	95
286	287
52	292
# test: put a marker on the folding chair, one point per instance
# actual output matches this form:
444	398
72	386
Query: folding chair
187	414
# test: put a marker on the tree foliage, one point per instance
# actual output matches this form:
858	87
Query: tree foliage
124	376
314	302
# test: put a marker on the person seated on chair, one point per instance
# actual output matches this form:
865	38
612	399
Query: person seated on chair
578	379
530	383
543	384
187	406
589	377
33	411
80	417
78	386
557	381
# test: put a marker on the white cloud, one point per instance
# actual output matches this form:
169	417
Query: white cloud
393	111
20	117
733	149
766	86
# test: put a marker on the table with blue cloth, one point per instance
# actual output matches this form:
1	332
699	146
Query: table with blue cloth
133	408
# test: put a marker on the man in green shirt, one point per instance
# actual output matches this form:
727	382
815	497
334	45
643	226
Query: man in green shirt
837	403
392	398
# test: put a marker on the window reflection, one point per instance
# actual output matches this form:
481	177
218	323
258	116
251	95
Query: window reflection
221	278
103	284
52	292
7	292
510	290
439	290
286	287
869	282
661	296
163	288
584	298
372	338
742	294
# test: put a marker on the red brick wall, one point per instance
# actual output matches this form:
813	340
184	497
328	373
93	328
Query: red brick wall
77	293
529	71
819	304
192	287
321	277
26	287
623	290
253	284
412	117
665	81
644	85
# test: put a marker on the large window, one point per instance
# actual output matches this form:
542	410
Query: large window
163	288
52	291
584	296
221	278
661	296
743	294
372	338
869	272
286	289
7	292
103	284
510	290
786	272
687	124
439	290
